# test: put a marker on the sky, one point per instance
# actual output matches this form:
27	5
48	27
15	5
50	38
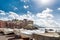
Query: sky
43	12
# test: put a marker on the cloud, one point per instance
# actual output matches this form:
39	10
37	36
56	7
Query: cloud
13	15
2	12
26	6
58	8
44	18
5	19
15	8
28	16
9	16
45	14
24	0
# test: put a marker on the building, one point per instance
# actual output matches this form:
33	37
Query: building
27	24
30	22
15	24
2	24
9	24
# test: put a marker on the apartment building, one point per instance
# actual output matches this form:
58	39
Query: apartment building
14	24
10	24
2	24
17	24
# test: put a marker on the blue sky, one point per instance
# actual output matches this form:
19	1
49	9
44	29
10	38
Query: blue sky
11	9
9	5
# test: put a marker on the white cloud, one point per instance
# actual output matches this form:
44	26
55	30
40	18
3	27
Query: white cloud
5	19
45	14
58	8
27	16
13	15
2	12
9	16
24	0
45	18
15	8
26	6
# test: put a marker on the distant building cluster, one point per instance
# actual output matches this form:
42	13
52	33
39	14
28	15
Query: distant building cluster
16	24
2	24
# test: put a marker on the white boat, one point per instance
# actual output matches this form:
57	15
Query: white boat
16	31
39	31
7	30
23	32
26	33
1	29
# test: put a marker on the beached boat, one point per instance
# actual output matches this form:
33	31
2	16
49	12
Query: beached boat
7	30
46	36
1	29
16	31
